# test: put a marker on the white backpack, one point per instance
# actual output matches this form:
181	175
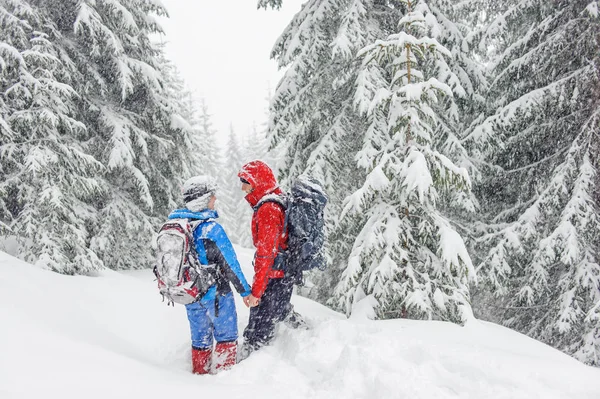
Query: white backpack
181	277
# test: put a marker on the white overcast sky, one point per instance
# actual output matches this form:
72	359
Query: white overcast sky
222	49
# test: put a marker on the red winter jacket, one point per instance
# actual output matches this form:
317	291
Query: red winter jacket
267	224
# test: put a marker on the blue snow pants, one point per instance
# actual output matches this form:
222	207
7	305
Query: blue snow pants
204	324
273	307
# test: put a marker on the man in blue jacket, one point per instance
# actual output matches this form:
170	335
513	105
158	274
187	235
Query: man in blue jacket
213	314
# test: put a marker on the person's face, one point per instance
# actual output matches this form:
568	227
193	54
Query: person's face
211	202
247	188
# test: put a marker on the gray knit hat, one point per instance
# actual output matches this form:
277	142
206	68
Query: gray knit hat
197	192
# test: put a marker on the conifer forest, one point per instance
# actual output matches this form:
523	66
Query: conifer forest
458	141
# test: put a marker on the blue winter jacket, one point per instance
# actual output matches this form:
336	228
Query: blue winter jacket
213	247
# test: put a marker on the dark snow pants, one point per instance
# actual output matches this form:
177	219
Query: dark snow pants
273	307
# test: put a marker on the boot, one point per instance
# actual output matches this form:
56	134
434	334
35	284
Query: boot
225	355
245	351
201	360
296	321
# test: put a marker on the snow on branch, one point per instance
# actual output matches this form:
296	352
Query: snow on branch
375	181
593	9
526	104
386	50
452	250
415	175
350	35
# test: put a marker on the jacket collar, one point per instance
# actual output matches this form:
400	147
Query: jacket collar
185	213
255	196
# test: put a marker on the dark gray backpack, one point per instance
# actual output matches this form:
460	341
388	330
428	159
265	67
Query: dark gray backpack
305	222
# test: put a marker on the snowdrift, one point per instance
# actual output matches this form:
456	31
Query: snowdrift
110	336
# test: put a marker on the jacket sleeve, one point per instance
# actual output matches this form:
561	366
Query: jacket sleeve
270	218
229	262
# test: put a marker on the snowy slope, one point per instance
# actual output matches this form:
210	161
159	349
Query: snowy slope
111	337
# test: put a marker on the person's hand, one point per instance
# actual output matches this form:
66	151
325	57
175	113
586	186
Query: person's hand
252	301
246	300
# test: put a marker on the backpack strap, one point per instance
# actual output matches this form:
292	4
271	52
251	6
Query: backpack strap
194	224
285	221
282	200
276	198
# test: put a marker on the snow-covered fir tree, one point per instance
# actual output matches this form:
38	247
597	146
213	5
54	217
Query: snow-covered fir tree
256	145
234	209
47	174
313	111
407	256
273	155
205	149
540	246
312	115
89	78
270	3
138	135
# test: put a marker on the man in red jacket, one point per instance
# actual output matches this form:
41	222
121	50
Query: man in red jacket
269	301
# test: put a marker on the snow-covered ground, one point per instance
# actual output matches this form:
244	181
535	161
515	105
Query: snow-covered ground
110	336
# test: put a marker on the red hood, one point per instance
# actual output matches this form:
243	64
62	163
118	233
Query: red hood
261	178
